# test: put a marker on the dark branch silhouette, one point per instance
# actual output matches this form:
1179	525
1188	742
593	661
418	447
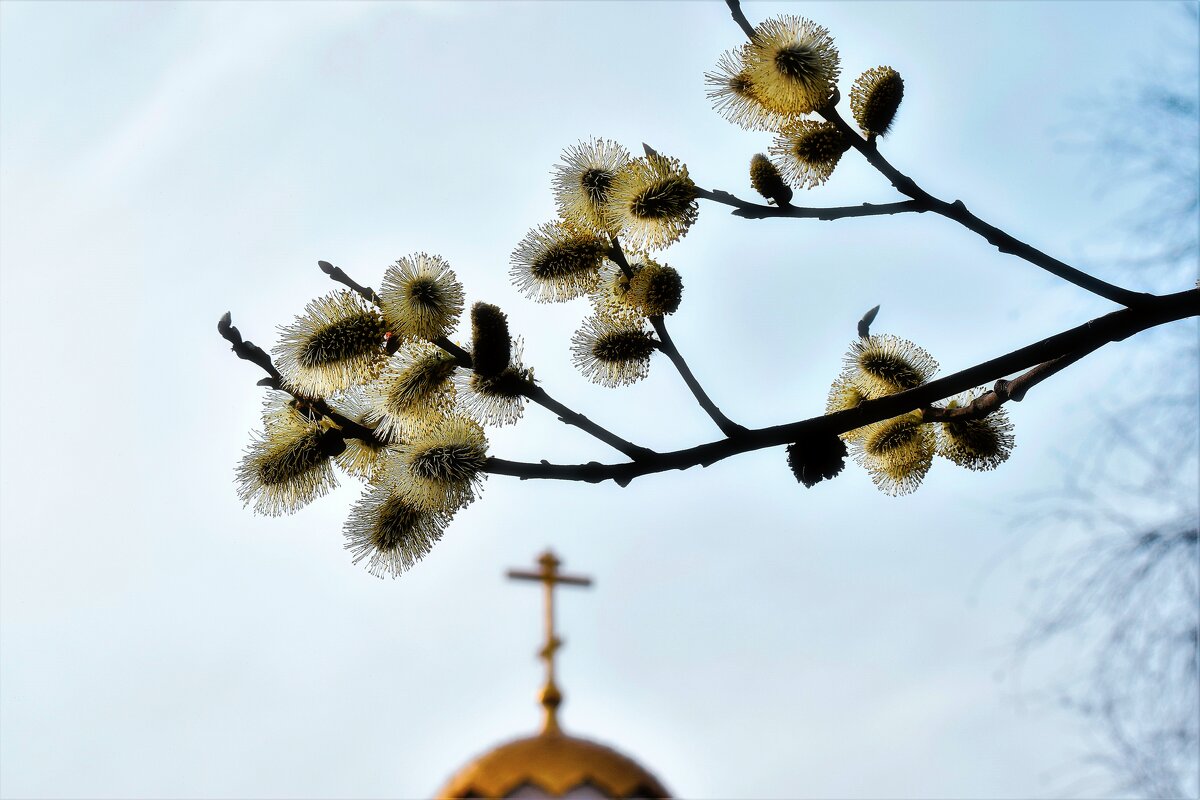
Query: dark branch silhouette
539	396
1077	341
341	277
1046	357
652	201
668	348
923	201
748	210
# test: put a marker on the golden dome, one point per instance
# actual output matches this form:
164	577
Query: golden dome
552	762
556	764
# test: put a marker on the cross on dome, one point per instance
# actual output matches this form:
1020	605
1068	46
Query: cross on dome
549	576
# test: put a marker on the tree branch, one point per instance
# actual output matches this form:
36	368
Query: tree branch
735	10
341	277
958	212
667	346
1004	390
251	352
539	396
366	292
748	210
534	392
1070	345
461	357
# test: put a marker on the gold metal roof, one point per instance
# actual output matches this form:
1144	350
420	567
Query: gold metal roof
552	761
555	763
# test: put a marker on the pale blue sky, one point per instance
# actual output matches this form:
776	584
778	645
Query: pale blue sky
162	163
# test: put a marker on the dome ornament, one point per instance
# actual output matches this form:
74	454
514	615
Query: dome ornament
549	576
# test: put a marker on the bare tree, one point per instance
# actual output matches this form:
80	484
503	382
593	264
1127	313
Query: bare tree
1124	590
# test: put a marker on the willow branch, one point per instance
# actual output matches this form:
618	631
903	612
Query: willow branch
667	346
735	10
539	396
958	212
1070	345
251	352
1004	390
341	277
366	292
349	428
463	359
748	210
864	324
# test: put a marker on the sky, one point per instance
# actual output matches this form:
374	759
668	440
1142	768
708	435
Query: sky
163	163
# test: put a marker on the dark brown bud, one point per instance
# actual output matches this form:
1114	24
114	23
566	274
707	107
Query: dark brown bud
766	180
491	346
817	458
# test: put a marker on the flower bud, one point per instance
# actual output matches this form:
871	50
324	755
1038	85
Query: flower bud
817	458
440	470
977	444
556	262
656	289
808	151
336	344
287	467
612	352
885	364
874	98
897	452
491	346
420	296
652	202
766	180
392	532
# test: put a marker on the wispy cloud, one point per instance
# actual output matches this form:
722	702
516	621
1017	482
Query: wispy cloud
237	44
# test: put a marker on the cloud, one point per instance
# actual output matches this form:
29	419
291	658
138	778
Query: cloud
237	45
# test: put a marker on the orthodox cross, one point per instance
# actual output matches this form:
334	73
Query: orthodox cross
550	577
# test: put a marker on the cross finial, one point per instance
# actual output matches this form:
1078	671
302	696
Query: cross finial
550	577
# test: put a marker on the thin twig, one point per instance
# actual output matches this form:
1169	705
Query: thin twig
748	210
349	428
539	396
251	352
534	392
341	277
1069	344
667	346
864	324
958	212
735	10
1005	390
461	357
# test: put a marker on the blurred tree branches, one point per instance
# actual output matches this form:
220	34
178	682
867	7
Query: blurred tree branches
1122	581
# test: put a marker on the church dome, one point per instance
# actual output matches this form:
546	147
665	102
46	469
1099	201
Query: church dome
551	763
555	764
